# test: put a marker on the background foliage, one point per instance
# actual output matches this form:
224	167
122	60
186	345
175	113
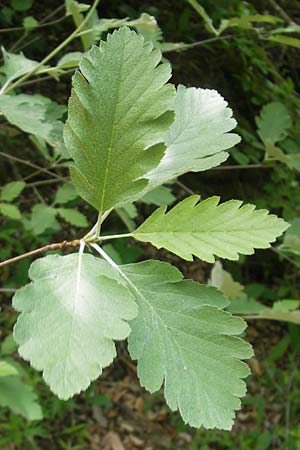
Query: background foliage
248	51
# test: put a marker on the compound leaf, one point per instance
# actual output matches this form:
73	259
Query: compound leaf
207	229
70	315
118	111
198	137
182	337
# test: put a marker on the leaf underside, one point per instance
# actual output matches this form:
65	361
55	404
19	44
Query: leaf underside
207	229
182	338
198	136
118	111
71	313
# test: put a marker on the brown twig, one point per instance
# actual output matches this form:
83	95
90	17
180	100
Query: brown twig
182	47
245	166
45	182
45	78
30	164
42	25
37	251
281	12
286	257
185	188
25	34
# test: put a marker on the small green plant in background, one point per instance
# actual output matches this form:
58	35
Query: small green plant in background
14	393
129	131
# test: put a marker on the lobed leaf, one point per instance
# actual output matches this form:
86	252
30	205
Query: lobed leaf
70	314
118	111
198	137
207	229
183	338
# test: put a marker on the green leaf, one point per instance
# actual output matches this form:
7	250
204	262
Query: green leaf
11	190
20	398
73	216
285	40
30	23
8	345
286	305
131	210
207	20
65	193
183	338
147	26
291	240
289	29
118	111
7	15
207	229
69	60
246	306
198	136
7	369
21	5
273	152
36	115
159	196
16	65
82	7
75	8
273	122
71	313
10	211
43	218
293	161
283	310
25	112
223	280
247	21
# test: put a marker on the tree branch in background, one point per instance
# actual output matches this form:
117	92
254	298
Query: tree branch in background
282	13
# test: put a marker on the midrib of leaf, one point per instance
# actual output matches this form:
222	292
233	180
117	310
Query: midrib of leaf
112	134
153	310
155	315
78	278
